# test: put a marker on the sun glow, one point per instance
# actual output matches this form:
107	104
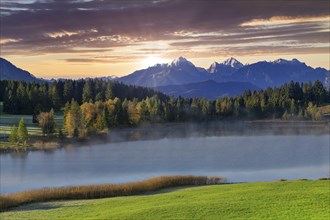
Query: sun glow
151	61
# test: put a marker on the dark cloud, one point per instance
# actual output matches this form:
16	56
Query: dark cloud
55	26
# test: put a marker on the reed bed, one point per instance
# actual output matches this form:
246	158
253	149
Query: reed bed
102	191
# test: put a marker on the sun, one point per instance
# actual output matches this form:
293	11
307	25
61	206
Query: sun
151	61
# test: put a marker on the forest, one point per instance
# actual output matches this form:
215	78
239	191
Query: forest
25	98
91	106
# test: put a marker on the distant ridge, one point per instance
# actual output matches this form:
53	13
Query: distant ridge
209	89
270	74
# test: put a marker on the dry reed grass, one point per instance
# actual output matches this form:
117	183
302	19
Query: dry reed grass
102	191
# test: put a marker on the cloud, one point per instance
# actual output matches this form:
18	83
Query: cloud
104	59
77	26
277	20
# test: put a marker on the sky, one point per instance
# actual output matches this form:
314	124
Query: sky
93	38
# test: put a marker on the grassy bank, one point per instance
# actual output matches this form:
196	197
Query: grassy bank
273	200
9	147
102	191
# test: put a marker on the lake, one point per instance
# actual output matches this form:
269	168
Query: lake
241	153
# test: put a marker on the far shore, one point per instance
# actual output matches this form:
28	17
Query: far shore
152	131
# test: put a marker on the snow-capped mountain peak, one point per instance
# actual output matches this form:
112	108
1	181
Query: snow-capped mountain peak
233	63
212	68
284	61
180	61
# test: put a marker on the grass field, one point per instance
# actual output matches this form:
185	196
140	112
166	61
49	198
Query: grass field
303	199
7	121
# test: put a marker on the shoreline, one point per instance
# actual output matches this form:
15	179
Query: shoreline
153	131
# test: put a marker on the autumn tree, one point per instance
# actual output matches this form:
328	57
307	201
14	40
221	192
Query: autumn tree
313	112
46	121
73	120
88	112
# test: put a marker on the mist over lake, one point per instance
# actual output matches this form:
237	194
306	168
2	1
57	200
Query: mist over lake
243	152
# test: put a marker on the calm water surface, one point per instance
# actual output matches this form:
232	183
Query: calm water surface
239	158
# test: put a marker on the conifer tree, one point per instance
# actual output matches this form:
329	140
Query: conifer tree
13	137
22	132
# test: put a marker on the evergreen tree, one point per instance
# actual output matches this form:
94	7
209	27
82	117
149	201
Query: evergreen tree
101	122
319	92
13	137
293	108
22	98
67	91
55	97
87	94
22	132
108	91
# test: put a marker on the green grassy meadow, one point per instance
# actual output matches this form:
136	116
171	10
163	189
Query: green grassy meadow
7	121
301	199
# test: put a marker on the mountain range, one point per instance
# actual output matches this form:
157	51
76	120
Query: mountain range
182	78
230	77
262	74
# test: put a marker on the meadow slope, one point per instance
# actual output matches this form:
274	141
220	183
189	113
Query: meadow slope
301	199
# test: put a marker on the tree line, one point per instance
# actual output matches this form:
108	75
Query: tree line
91	114
292	100
19	97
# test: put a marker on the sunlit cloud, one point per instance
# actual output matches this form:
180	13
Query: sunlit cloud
280	20
61	34
8	40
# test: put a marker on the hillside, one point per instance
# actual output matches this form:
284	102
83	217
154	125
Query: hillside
275	200
9	71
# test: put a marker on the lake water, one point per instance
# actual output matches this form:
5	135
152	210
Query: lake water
240	158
